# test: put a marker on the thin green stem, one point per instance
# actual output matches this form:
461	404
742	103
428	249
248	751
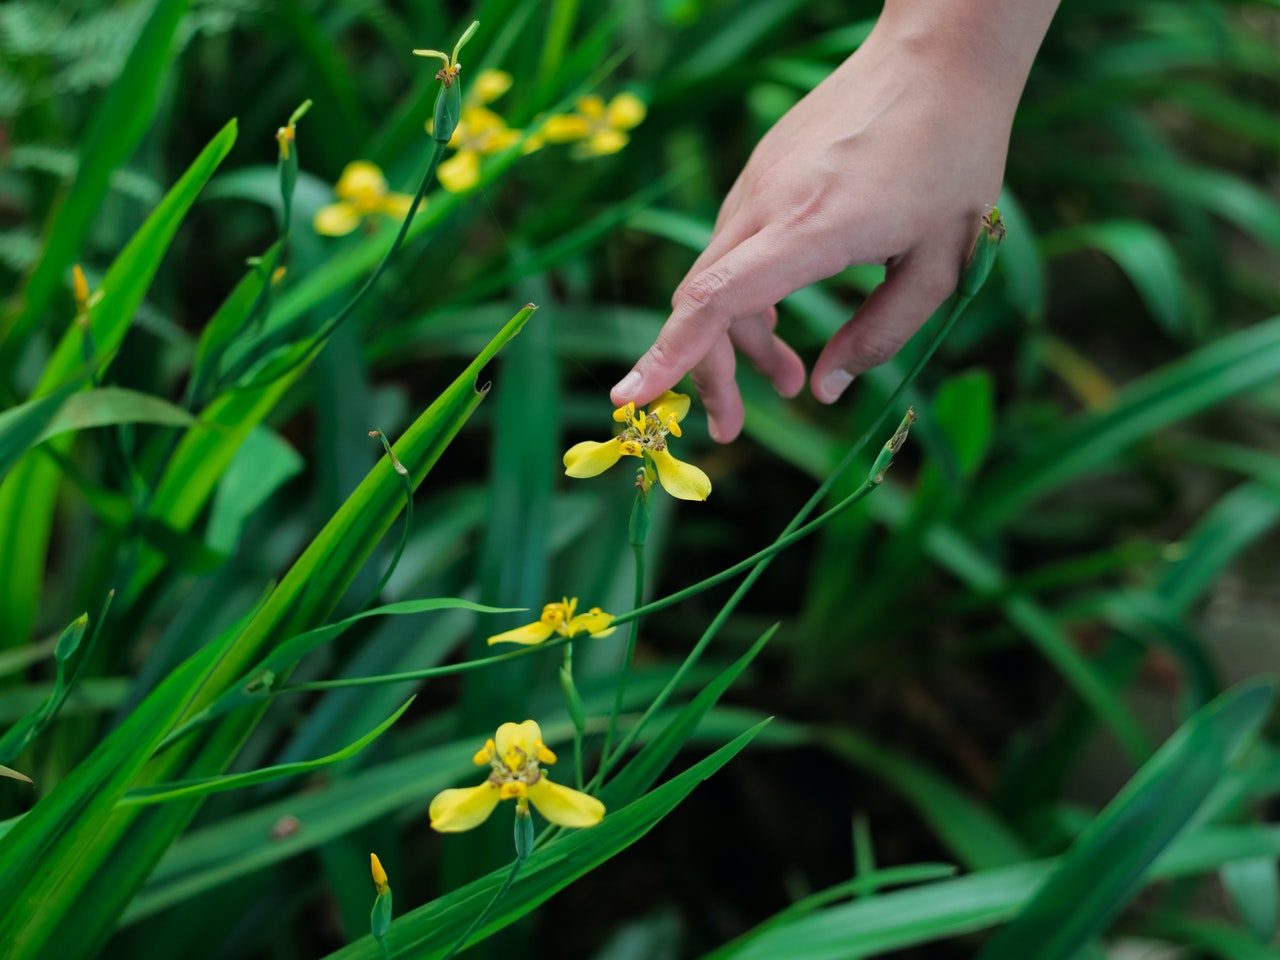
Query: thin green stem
575	710
624	673
445	671
483	915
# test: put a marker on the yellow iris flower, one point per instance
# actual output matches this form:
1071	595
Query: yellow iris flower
515	756
645	436
362	193
479	132
598	128
559	618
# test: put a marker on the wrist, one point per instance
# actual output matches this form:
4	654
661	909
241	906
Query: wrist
989	44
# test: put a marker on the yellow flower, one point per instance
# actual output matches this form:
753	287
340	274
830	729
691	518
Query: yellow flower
515	756
362	193
559	618
601	128
645	436
479	132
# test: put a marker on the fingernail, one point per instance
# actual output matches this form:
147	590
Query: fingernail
627	386
834	384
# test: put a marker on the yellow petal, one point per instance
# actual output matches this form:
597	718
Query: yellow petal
518	742
529	634
480	120
591	106
595	622
336	219
670	404
591	458
397	205
461	172
565	128
626	111
453	811
362	184
498	140
605	142
563	806
489	85
533	143
682	480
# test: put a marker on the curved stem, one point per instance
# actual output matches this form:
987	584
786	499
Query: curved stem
483	915
445	671
958	304
624	673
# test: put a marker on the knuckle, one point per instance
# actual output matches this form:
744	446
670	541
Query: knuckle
707	289
877	348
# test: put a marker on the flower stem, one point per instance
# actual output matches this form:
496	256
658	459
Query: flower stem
429	673
483	915
639	534
789	535
322	336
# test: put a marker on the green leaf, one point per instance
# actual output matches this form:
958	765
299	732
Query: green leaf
28	494
1147	259
261	466
431	929
114	853
1108	864
638	775
1254	889
116	129
25	730
257	683
1213	374
934	911
203	786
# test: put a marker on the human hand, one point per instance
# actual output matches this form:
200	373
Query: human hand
892	159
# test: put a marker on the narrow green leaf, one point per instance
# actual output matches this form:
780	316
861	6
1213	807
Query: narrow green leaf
1213	374
117	127
29	492
647	766
203	786
1109	862
431	929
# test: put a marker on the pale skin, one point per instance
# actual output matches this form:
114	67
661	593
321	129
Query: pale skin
892	159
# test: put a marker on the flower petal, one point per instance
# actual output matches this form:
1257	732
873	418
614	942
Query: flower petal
453	811
489	85
461	172
592	106
670	404
336	219
529	634
362	184
595	622
682	480
591	458
565	128
605	142
517	742
397	205
563	806
626	111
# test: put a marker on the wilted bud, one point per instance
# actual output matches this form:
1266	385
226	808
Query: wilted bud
983	256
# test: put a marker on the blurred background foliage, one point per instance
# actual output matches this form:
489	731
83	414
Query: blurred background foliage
1077	549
